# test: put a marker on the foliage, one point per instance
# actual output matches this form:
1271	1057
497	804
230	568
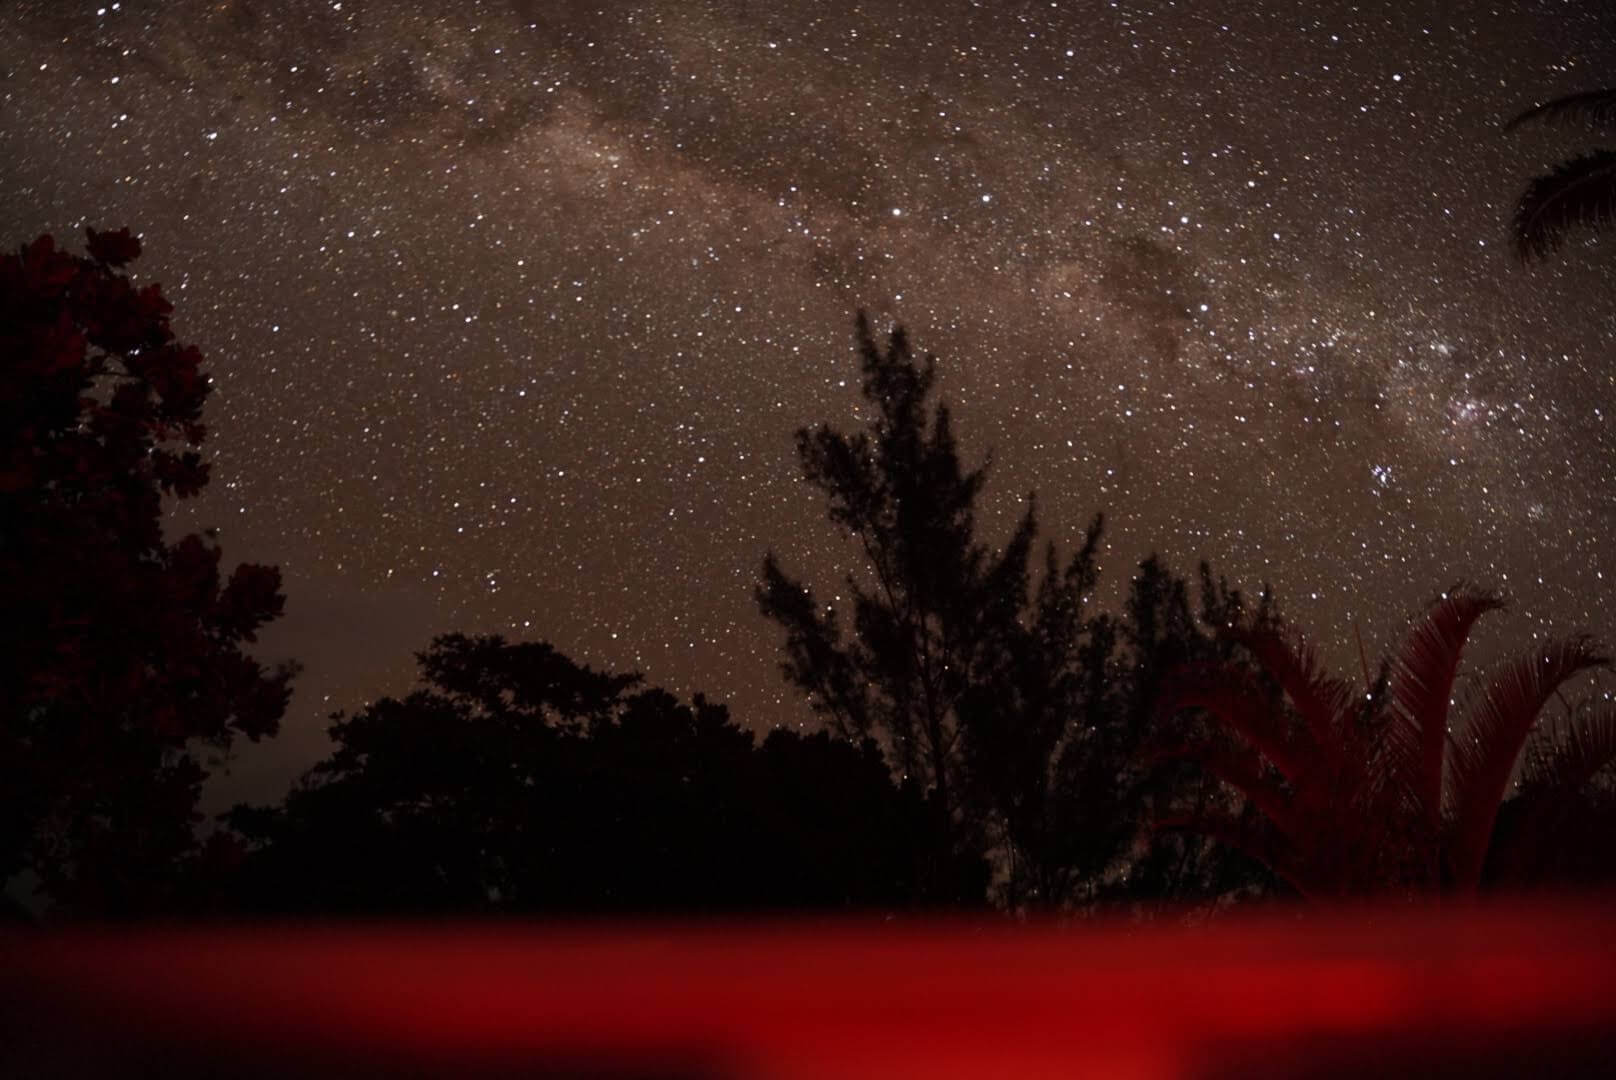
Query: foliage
1022	709
1389	789
1032	725
516	780
1059	744
119	651
1161	635
1558	828
938	618
1575	193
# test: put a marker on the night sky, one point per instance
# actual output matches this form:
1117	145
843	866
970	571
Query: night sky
512	307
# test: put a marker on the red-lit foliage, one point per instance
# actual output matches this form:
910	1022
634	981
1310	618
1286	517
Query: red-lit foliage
117	648
1389	790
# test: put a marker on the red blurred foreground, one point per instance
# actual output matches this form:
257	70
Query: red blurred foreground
1519	990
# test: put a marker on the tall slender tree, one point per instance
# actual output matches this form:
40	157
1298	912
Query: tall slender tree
937	616
1033	728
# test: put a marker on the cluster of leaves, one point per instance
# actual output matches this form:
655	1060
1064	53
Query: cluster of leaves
1162	635
516	780
1400	788
118	649
1577	193
1019	707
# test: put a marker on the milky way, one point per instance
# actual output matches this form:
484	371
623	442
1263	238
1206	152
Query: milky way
512	307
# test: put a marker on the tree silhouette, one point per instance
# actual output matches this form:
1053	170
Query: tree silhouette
1161	635
120	653
517	780
1361	792
937	617
1577	192
1035	736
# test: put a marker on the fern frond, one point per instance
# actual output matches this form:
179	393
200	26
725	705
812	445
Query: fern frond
1238	706
1257	842
1241	768
1571	751
1321	700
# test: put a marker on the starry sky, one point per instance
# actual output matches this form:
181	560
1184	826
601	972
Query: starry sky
512	307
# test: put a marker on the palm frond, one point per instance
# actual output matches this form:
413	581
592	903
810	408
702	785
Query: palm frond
1320	699
1241	767
1239	706
1580	192
1571	751
1561	760
1484	754
1259	843
1595	109
1421	689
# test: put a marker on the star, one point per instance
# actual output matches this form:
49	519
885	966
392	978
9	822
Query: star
513	309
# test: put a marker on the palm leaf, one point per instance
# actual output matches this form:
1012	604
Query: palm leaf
1259	843
1595	108
1421	689
1571	752
1484	754
1579	192
1320	699
1242	768
1559	763
1237	704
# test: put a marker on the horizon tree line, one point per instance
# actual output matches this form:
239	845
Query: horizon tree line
990	738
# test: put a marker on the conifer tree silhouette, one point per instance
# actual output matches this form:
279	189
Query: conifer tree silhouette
944	656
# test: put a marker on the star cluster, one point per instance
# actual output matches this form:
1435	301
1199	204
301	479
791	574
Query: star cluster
512	307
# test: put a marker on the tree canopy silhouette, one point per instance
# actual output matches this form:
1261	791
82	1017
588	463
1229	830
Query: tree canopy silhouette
121	654
1059	739
517	780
